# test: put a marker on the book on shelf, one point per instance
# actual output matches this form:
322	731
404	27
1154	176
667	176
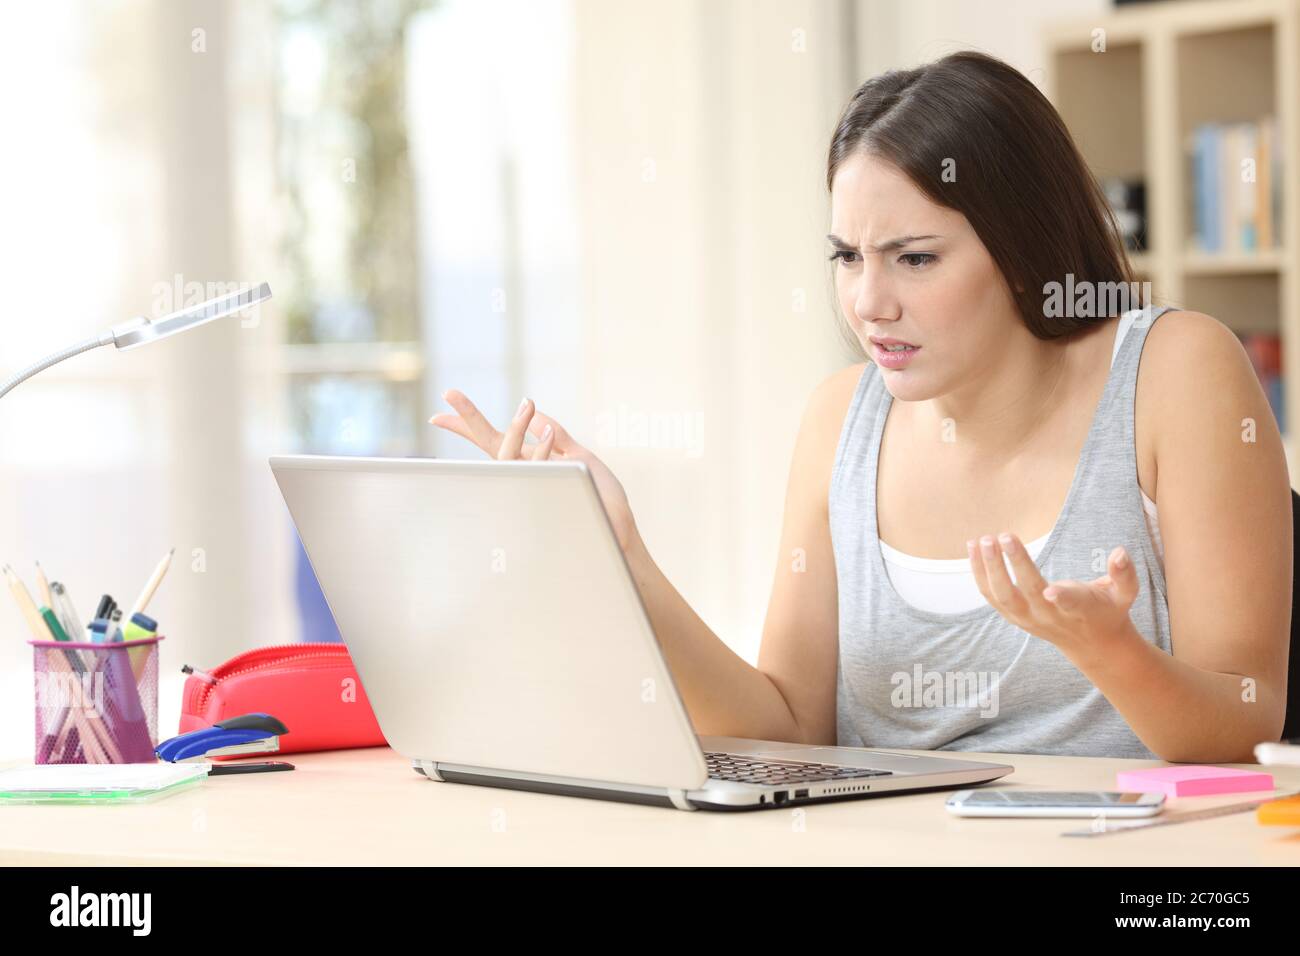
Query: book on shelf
1236	176
1265	351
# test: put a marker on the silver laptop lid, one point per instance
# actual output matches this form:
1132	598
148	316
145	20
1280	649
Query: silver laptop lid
491	616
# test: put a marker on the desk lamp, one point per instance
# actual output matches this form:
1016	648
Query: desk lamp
140	330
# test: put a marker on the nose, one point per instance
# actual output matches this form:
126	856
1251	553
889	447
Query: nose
873	294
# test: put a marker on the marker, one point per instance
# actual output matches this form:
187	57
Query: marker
106	605
139	627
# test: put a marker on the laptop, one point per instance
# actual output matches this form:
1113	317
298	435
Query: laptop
501	640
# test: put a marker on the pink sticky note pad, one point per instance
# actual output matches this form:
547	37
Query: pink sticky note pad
1192	781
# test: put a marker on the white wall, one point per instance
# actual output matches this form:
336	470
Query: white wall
702	136
703	130
905	33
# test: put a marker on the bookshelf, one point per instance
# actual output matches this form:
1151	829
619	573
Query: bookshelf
1168	69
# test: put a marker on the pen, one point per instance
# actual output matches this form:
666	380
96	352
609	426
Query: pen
155	579
26	605
106	605
68	617
53	624
63	607
114	632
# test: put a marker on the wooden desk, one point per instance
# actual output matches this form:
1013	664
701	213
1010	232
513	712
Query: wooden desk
370	807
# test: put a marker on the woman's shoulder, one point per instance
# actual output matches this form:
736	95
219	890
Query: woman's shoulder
824	418
1196	380
831	399
826	415
1187	351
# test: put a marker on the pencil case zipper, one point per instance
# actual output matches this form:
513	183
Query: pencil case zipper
261	659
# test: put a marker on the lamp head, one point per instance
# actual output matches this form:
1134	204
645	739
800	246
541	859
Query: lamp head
142	331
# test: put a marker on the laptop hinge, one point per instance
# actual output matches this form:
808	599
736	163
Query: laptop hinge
678	797
675	795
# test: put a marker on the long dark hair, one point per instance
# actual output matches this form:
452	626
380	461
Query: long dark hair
1019	178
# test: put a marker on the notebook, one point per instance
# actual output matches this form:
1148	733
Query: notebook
97	783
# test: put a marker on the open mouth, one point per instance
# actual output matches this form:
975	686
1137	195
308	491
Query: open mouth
894	356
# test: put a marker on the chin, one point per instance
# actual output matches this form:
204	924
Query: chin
907	385
906	391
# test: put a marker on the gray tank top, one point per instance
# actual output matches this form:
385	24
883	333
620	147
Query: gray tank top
972	681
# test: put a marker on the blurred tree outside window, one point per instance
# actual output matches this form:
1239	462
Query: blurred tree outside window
352	359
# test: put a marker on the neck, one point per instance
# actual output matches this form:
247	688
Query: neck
997	412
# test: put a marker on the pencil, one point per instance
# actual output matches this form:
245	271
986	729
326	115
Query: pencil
43	586
35	623
147	594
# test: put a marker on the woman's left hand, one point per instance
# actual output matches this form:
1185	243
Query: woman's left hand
1073	615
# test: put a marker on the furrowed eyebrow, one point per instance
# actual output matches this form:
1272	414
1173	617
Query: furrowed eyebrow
898	243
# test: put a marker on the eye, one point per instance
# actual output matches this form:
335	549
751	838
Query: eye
917	260
843	255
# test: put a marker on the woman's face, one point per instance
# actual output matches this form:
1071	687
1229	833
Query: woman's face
908	269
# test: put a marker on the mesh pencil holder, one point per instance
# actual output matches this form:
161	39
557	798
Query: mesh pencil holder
96	703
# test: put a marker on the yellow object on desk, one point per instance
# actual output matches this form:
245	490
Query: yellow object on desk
1280	812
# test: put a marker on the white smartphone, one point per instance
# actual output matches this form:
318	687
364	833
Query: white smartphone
1046	803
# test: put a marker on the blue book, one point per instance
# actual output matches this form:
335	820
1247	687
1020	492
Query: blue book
1277	399
1209	139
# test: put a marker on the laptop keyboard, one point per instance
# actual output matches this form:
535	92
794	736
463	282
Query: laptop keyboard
724	766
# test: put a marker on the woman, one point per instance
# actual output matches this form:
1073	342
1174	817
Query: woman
936	492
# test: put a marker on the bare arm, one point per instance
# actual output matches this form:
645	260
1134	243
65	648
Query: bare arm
791	694
1225	518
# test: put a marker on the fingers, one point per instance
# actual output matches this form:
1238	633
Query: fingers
453	423
471	424
481	431
1069	597
1024	595
1029	580
563	443
542	450
991	573
513	439
1124	577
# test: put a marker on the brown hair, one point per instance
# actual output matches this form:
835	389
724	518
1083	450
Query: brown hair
1020	180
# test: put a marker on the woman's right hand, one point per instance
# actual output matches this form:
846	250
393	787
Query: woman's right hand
552	442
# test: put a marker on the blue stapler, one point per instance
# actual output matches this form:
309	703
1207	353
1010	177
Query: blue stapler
246	734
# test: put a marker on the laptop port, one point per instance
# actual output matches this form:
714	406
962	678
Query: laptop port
780	797
800	793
